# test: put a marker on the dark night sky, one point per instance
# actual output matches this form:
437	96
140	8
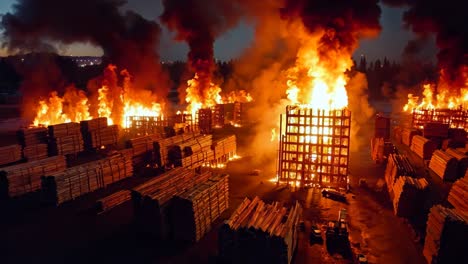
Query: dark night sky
390	42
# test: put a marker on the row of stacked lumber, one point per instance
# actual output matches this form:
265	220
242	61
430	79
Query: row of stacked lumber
10	154
199	207
161	146
142	148
444	165
35	152
446	233
224	148
260	233
398	165
65	139
458	196
32	136
380	149
192	153
24	178
423	147
115	199
76	181
408	195
96	133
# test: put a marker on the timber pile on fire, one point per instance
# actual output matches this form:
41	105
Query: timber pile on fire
10	154
32	136
76	181
398	165
161	146
408	195
458	196
435	130
444	165
205	120
462	161
260	233
224	149
191	153
196	209
407	135
26	177
35	152
65	139
446	232
423	147
107	203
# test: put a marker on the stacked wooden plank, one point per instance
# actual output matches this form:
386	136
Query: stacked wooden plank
224	149
26	177
107	203
196	209
257	233
35	152
397	166
76	181
462	161
423	147
104	136
161	146
10	154
192	153
407	135
65	139
142	148
446	232
93	124
408	195
444	165
458	196
435	130
32	136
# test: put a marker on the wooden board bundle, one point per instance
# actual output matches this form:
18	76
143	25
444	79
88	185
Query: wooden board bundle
423	147
444	165
193	153
162	146
435	130
195	210
26	177
197	160
446	232
397	166
65	145
257	233
224	148
35	152
142	148
408	195
10	154
93	124
32	136
64	129
407	135
105	136
458	196
76	181
451	143
107	203
462	161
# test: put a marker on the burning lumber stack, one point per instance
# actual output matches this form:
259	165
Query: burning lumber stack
196	209
32	136
407	135
10	154
423	147
107	203
65	139
35	152
257	233
458	196
224	149
446	232
397	166
462	161
26	177
444	165
408	193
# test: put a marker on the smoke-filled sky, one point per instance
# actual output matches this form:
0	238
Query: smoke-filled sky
391	42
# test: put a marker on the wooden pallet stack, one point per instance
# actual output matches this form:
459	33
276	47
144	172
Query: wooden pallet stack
65	139
408	195
26	177
423	147
446	232
407	135
257	233
224	149
462	161
10	154
444	165
32	136
161	147
397	166
107	203
35	152
195	210
458	196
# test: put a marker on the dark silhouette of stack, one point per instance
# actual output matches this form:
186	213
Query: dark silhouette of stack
444	165
423	147
409	194
458	196
397	166
462	161
456	138
10	154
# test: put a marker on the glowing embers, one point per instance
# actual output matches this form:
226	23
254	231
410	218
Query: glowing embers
314	146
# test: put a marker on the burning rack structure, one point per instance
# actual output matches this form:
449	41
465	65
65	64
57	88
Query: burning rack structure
455	118
147	125
314	147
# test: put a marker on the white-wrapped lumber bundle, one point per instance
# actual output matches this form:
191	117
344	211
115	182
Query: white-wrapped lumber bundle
257	233
397	166
446	232
224	148
93	124
10	154
195	210
35	152
444	165
32	136
161	147
423	147
105	136
462	161
408	195
107	203
26	177
435	130
407	135
458	196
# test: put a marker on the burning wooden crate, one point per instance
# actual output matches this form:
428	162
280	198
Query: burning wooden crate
457	118
462	161
10	154
35	152
107	203
397	166
239	113
145	125
314	146
408	195
458	196
444	165
65	139
205	120
260	233
423	147
219	115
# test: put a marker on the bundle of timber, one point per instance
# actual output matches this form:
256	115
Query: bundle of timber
76	181
407	135
65	139
197	160
446	231
64	129
224	148
408	195
32	136
107	203
435	130
260	233
142	148
397	166
161	147
10	154
458	196
423	147
444	165
462	161
35	152
102	137
380	149
26	177
191	152
93	124
196	209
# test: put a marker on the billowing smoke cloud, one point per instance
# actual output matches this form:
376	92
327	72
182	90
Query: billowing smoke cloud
127	39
